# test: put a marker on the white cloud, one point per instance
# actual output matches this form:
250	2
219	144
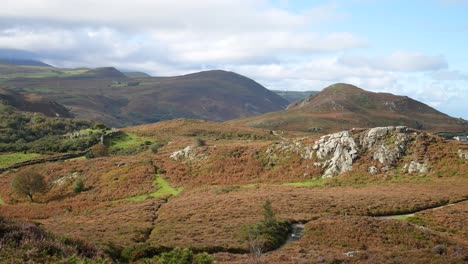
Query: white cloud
280	48
402	61
449	75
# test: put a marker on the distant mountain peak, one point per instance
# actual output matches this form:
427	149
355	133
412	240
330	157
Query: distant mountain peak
344	106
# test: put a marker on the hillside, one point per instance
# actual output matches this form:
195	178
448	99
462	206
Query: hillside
293	96
20	57
32	103
106	95
344	106
198	184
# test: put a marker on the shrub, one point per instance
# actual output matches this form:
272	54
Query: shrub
177	255
200	142
156	147
439	249
28	183
267	234
78	186
99	150
203	258
184	256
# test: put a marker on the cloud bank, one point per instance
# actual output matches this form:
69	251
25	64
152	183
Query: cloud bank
279	47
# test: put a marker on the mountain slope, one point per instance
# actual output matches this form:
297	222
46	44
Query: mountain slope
33	103
344	106
108	96
20	57
293	96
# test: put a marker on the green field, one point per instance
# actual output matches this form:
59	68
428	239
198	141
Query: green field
163	189
127	143
36	72
9	159
310	183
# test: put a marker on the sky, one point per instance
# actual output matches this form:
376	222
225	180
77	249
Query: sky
414	48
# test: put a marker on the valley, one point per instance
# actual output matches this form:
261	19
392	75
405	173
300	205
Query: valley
205	182
349	172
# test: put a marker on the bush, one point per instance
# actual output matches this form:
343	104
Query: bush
156	147
78	186
177	255
99	150
28	183
267	234
203	258
184	256
200	142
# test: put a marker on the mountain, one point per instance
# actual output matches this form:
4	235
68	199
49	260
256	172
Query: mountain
135	74
33	103
107	95
343	106
293	96
20	57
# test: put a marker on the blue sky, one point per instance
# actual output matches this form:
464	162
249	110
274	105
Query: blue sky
413	48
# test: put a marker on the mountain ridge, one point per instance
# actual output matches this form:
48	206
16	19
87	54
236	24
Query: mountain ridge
344	106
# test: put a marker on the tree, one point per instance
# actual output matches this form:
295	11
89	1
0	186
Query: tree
78	186
99	150
28	183
267	234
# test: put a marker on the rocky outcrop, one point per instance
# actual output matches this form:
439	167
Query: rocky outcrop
387	144
416	167
463	153
188	153
338	151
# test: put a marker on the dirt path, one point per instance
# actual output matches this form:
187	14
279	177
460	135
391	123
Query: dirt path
426	209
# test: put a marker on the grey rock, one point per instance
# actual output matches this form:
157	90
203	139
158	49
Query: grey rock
373	170
338	151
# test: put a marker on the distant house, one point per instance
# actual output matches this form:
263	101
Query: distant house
461	138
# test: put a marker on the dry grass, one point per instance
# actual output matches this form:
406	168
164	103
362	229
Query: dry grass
204	218
452	220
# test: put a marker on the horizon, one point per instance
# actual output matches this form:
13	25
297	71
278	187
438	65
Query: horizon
414	49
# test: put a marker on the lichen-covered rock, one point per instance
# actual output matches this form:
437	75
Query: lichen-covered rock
373	170
338	151
463	154
416	167
188	153
387	144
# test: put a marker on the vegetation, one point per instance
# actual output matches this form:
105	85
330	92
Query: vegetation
267	234
28	243
78	185
162	189
184	256
12	158
28	183
20	131
99	150
127	143
155	147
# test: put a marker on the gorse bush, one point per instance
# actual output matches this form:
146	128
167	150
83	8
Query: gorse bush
78	185
267	234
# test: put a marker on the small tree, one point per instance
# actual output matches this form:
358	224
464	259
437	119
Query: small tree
99	150
78	186
28	183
